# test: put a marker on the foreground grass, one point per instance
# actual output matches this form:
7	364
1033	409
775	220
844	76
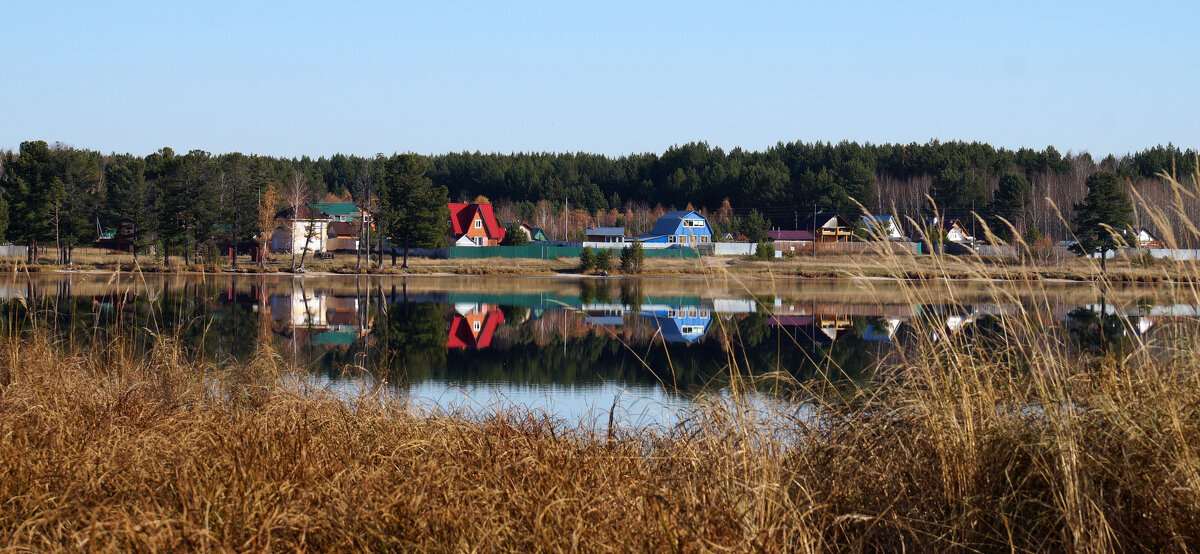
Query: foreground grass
99	451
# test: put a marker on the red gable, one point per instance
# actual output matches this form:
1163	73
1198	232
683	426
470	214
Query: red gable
462	336
462	214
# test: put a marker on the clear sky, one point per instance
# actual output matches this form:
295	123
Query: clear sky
295	78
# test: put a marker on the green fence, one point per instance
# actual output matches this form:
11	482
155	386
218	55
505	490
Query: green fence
546	252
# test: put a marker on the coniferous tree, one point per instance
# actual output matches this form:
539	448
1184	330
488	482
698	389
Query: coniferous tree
1104	219
1012	200
413	208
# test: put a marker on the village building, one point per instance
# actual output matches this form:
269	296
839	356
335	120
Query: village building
1146	239
790	241
881	227
533	234
828	227
473	224
953	228
678	228
322	226
609	235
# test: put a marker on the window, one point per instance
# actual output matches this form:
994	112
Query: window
478	241
478	223
476	326
671	238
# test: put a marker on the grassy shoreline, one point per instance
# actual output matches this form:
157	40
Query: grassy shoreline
800	267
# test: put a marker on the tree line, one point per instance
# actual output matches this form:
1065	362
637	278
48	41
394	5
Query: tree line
189	202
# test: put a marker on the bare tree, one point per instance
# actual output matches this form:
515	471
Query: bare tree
297	195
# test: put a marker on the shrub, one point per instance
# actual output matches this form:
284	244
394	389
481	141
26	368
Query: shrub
587	259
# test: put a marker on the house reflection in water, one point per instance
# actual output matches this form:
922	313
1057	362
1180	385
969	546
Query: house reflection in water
680	324
819	328
322	320
472	325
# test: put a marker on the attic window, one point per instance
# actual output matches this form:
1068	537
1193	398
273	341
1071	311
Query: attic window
478	223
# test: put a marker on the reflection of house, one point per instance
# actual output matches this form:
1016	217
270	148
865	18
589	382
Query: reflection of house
686	228
881	226
828	227
472	325
820	328
680	324
321	319
473	224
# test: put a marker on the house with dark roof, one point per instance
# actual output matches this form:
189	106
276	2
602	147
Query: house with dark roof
607	235
678	228
828	227
473	224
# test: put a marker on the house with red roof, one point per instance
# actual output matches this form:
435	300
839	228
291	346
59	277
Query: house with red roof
473	224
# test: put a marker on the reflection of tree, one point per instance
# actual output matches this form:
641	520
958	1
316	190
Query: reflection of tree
412	341
1101	333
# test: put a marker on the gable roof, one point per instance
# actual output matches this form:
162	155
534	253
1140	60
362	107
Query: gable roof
461	335
343	229
821	218
789	235
334	209
670	221
463	213
606	231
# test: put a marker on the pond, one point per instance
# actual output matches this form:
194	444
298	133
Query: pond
575	348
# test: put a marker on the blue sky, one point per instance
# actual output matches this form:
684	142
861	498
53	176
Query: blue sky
296	78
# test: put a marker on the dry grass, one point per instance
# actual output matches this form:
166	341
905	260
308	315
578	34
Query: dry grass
1024	448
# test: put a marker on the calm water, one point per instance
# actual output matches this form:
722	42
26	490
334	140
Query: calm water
573	348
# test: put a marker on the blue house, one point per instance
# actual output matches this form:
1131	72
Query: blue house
684	228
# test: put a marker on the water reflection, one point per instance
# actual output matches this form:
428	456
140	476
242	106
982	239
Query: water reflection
567	347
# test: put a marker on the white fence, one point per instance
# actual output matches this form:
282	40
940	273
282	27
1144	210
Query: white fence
12	251
734	248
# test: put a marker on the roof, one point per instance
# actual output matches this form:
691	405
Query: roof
821	218
343	229
789	235
670	221
606	231
463	213
338	208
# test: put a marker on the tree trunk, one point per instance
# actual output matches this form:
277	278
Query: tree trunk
407	246
292	246
31	253
381	250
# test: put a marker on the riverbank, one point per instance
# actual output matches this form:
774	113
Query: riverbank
799	267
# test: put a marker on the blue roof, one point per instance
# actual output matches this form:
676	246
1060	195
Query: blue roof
669	222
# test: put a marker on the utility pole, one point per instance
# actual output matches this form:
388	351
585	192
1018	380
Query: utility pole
815	230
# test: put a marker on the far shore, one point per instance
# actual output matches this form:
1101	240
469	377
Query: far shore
822	266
